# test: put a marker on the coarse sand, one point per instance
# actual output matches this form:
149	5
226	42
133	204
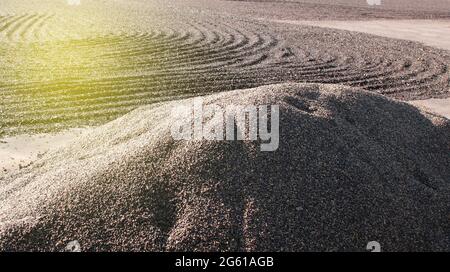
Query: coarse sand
108	58
352	167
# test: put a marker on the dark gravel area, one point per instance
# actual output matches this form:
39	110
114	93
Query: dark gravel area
332	9
352	167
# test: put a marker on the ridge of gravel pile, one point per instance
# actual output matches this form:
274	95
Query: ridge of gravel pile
351	167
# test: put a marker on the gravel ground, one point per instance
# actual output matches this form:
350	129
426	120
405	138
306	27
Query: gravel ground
330	9
352	167
67	66
433	33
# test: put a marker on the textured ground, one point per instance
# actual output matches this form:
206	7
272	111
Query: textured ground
65	66
429	32
331	9
433	33
351	167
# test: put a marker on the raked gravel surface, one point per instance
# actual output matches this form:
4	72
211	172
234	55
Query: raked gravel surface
64	66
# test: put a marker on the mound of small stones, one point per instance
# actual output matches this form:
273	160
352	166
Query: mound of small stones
351	167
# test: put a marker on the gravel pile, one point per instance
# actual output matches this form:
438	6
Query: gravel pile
351	167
